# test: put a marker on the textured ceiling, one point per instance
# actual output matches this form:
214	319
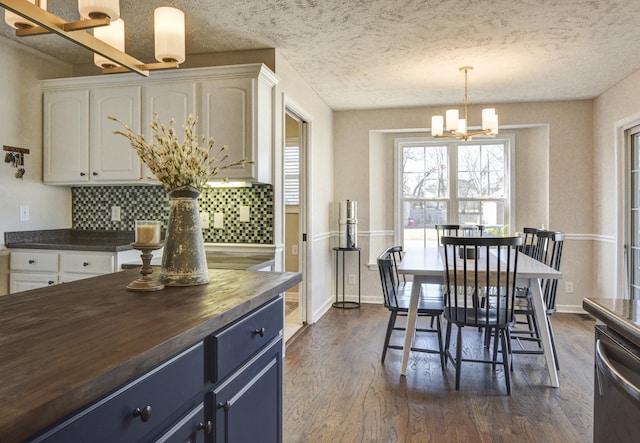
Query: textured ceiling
375	54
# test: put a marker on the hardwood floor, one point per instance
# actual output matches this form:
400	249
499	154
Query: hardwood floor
337	390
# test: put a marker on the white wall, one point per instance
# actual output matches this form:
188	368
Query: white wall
614	111
21	126
293	91
553	169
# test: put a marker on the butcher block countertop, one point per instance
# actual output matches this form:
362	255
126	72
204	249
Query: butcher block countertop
64	346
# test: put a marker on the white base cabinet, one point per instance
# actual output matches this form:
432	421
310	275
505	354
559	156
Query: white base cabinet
37	268
233	104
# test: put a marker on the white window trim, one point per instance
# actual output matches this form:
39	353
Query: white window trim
400	142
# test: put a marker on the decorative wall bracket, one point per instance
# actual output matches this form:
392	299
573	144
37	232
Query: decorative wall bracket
15	156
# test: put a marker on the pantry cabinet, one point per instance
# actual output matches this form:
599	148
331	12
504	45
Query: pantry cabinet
233	104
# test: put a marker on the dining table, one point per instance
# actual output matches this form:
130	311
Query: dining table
426	265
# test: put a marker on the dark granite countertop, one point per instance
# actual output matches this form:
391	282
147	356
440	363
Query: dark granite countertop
70	239
621	315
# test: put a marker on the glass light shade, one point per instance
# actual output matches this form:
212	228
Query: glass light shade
99	8
490	120
452	119
487	117
462	126
437	125
169	34
18	22
112	35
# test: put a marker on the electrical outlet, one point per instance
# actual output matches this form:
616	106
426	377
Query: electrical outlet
24	212
294	249
115	213
204	220
352	279
568	287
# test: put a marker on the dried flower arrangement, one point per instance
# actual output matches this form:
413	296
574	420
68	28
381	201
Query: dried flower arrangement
177	164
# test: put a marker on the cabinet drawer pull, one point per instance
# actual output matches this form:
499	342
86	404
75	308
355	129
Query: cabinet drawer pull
226	406
31	261
208	427
94	174
259	332
82	174
144	413
50	282
85	264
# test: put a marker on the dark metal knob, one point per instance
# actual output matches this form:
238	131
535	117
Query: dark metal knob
144	413
50	282
226	406
94	173
259	332
207	427
82	174
85	264
31	262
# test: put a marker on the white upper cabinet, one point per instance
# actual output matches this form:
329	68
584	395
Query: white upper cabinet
66	136
112	159
234	105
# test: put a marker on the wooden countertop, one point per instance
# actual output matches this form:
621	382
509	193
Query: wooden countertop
621	315
64	346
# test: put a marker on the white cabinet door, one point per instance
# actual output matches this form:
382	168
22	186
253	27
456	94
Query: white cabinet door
170	100
112	157
19	281
66	136
226	115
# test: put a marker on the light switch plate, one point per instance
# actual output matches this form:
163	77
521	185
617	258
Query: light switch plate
115	213
218	220
245	213
204	220
24	212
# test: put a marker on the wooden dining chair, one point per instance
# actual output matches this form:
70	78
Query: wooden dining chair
490	275
551	256
451	230
430	305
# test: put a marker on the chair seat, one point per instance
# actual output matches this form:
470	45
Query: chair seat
478	317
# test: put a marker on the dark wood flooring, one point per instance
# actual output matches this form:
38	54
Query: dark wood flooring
337	390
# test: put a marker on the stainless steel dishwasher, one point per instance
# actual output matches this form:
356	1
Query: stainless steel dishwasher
616	409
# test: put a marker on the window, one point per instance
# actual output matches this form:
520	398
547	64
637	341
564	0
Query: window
451	182
291	175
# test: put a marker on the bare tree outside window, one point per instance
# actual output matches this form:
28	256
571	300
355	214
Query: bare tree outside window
475	191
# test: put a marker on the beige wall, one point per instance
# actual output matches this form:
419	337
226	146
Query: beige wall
554	165
21	126
614	111
293	91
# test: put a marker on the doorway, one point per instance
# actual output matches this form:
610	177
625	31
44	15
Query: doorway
294	184
632	243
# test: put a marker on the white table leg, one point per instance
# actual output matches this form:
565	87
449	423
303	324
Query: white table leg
541	317
411	321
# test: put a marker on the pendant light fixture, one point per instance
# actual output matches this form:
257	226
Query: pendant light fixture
30	17
457	127
18	22
99	9
168	27
114	36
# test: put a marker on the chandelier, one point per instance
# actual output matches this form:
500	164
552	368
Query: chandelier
457	127
30	17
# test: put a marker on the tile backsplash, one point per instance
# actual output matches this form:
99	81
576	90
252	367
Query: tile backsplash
91	210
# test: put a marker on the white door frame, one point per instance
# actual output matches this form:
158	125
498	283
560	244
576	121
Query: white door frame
293	110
